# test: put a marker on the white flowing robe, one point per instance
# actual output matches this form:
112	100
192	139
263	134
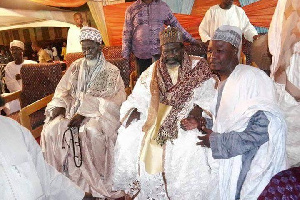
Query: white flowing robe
73	40
98	98
13	85
246	91
216	17
284	45
24	174
186	168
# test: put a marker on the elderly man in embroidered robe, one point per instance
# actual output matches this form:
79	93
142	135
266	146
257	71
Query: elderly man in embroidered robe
154	157
85	108
248	133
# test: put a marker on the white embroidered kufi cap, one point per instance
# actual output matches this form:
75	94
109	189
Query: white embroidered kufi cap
230	34
89	33
17	43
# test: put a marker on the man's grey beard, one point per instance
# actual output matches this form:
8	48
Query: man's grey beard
173	65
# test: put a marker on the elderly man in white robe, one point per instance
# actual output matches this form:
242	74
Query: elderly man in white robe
24	174
155	158
79	135
12	74
226	14
248	133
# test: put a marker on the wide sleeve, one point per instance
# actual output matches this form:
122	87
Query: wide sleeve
172	21
127	35
204	27
10	79
227	145
248	29
62	96
54	184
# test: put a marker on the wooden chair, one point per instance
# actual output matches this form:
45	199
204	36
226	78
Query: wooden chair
27	111
39	81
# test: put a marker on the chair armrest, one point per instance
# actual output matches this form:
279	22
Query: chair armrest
11	96
31	108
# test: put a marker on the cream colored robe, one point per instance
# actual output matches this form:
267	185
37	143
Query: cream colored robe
98	97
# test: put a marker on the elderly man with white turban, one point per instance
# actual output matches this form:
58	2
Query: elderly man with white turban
79	135
248	133
12	74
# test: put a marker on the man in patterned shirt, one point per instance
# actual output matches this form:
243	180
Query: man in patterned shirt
144	19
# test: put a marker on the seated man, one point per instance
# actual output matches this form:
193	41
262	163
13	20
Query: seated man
12	74
43	56
248	133
24	174
154	157
226	14
83	117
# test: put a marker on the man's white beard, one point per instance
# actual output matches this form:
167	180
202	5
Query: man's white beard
91	63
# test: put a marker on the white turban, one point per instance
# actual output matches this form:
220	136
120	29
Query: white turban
89	33
230	34
17	43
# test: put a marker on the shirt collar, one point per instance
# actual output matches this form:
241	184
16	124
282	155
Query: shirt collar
140	1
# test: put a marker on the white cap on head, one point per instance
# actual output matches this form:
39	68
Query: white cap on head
89	33
17	43
230	34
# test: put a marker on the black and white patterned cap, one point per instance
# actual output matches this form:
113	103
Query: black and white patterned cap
230	34
90	33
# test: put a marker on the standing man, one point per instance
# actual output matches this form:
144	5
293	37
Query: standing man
144	19
73	41
154	157
82	119
43	56
226	14
12	74
248	133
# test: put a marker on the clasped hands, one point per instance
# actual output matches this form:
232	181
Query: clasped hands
195	120
74	122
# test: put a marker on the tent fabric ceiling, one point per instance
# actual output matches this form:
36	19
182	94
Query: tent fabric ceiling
61	3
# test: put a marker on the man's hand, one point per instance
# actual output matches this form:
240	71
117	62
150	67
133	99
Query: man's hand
134	115
204	139
191	123
255	37
18	77
57	111
76	120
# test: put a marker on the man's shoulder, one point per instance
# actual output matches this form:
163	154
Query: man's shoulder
9	65
111	67
249	72
238	8
29	62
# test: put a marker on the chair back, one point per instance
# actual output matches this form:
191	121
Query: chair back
39	80
71	57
